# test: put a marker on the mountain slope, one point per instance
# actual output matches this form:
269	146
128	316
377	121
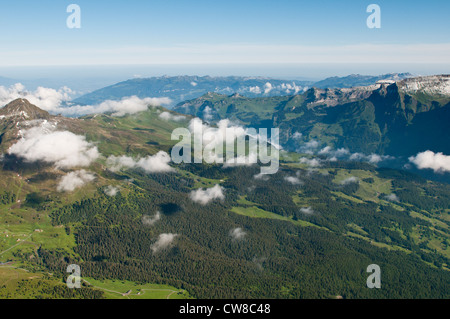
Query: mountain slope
299	233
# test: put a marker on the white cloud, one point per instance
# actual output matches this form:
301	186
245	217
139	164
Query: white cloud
194	84
293	180
158	163
309	147
207	114
314	162
224	134
372	158
62	148
249	160
307	210
375	158
111	191
237	233
167	116
438	162
392	198
258	261
74	180
267	87
261	176
127	105
349	180
47	99
254	89
297	135
116	163
205	196
150	221
164	241
58	101
344	154
330	152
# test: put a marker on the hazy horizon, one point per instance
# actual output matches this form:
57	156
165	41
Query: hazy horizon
88	78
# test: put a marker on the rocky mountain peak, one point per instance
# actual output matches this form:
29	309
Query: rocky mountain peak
23	109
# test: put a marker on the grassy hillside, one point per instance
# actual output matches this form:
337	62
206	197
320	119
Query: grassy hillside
308	236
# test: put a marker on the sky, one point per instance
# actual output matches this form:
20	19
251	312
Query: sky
210	36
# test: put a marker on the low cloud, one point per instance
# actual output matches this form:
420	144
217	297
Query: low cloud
293	180
164	241
313	162
47	99
204	196
158	163
249	160
214	139
307	210
330	152
438	162
167	116
62	148
297	135
392	198
254	89
207	114
344	154
237	233
311	147
74	180
259	261
268	87
372	158
58	101
350	180
150	221
261	176
128	105
111	191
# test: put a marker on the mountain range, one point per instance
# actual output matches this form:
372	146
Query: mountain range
100	191
398	118
180	88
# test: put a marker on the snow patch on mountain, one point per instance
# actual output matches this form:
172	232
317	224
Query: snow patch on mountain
436	84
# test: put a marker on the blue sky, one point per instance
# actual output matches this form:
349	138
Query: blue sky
231	32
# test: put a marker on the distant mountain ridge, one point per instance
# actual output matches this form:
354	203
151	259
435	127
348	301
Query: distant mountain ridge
181	88
401	118
354	80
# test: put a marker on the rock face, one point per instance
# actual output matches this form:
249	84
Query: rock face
437	84
333	97
356	80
